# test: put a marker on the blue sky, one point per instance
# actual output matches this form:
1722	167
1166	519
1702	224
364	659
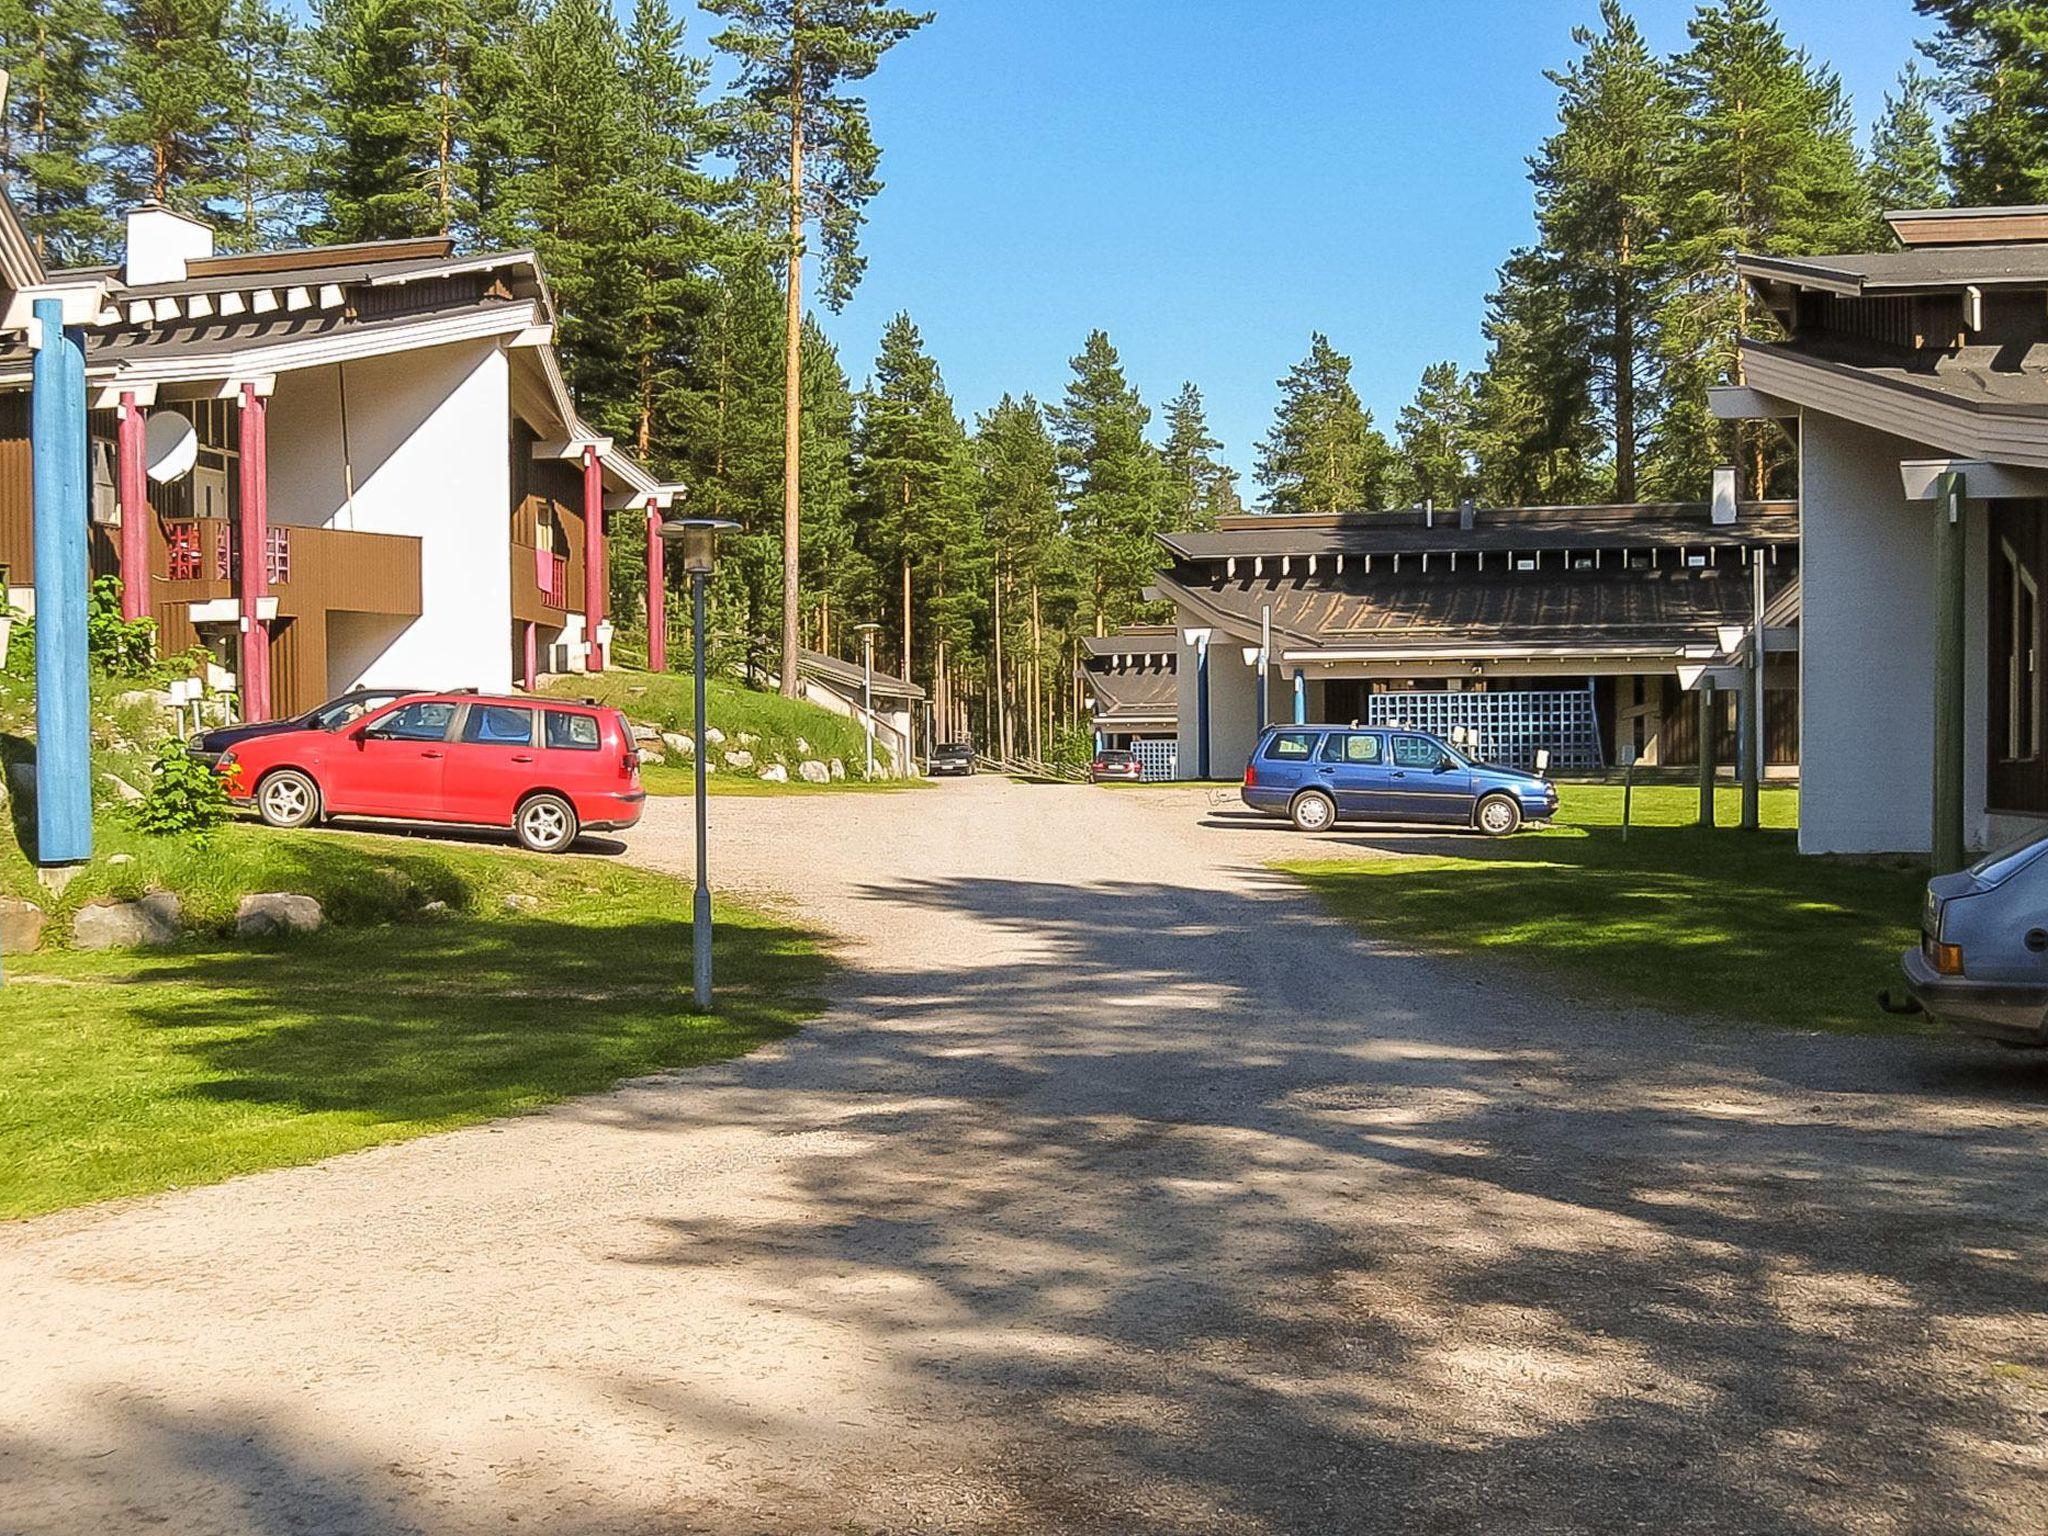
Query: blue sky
1210	180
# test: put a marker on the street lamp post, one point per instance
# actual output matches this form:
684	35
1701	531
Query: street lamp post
867	686
699	538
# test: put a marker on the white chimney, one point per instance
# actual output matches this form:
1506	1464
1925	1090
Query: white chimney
160	242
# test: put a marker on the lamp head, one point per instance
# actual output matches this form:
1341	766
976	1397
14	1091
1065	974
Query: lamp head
699	539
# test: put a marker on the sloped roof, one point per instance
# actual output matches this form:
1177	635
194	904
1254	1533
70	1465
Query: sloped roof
1133	696
1921	266
851	675
1656	525
1664	612
1132	640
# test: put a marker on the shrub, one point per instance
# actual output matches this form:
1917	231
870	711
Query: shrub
186	798
118	647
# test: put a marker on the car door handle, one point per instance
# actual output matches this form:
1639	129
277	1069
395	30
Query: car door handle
433	754
522	757
1397	774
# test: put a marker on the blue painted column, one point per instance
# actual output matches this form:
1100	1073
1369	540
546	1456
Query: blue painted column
63	729
1300	697
1202	710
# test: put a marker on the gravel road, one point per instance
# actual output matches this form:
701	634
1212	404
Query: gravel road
1119	1191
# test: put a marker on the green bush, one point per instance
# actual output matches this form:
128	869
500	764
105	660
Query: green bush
186	798
118	647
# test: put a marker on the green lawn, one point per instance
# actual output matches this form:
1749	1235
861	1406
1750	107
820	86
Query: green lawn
126	1072
1724	922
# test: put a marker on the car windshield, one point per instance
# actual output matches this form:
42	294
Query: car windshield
2000	866
332	717
955	749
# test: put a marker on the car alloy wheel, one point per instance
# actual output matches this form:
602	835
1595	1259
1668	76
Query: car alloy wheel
288	800
1498	816
546	824
1313	812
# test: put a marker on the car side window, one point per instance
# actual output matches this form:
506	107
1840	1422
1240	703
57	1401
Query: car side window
1292	746
498	725
1351	747
427	720
1416	752
572	732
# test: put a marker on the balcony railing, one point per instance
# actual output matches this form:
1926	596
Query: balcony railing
551	573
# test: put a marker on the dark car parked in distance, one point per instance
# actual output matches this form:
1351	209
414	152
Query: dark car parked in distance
1115	766
950	757
1319	775
207	746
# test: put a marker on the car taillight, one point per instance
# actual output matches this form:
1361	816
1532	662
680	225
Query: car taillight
1251	773
1947	959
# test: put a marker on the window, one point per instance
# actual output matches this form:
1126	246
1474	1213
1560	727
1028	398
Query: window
498	725
2021	731
1292	746
427	720
1417	752
572	732
277	554
1351	747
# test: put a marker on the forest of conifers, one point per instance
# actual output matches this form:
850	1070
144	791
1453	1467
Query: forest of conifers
660	210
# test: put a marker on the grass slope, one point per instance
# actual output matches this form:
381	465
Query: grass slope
666	699
127	1072
1727	923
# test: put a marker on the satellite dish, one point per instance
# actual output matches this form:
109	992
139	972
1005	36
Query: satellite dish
169	447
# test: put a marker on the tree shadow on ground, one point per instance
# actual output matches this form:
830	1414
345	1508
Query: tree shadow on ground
1212	1217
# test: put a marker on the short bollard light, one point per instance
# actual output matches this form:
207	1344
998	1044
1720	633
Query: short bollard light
698	537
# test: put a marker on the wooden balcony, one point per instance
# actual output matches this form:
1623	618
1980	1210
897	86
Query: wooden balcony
311	570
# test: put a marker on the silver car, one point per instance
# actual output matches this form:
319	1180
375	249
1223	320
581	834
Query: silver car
1982	963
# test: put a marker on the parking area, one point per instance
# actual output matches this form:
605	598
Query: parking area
1120	1189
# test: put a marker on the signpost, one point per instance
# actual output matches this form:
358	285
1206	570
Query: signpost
1627	754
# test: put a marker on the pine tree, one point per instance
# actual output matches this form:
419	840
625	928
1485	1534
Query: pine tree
669	225
805	147
913	476
1766	162
420	113
1992	60
837	573
1437	433
1535	430
1204	487
57	52
1117	493
1905	151
267	157
371	83
168	127
1323	453
1600	187
1019	494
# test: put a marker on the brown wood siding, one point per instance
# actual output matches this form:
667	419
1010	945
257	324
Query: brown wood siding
1678	733
547	509
17	491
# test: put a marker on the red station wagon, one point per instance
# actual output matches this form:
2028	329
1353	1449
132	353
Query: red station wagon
547	769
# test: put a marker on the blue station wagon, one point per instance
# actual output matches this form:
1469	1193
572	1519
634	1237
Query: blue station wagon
1319	775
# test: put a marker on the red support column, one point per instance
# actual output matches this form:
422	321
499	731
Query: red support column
129	485
530	673
593	556
657	594
254	482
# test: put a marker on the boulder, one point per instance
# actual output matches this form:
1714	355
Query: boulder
157	918
775	773
267	912
154	698
118	859
803	746
21	926
740	759
434	909
127	793
714	736
645	732
679	744
811	771
519	901
21	776
838	769
649	755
